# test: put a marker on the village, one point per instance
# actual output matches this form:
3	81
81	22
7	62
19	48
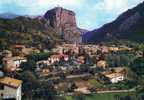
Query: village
71	50
73	68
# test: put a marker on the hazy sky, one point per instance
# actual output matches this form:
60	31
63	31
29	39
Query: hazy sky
90	14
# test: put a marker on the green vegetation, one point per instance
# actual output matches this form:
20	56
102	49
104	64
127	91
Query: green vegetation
110	96
105	96
138	66
124	85
95	83
38	56
69	98
122	58
23	30
33	87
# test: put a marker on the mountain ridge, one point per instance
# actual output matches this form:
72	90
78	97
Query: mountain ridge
127	26
8	15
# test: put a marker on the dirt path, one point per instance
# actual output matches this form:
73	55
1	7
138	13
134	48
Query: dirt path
116	91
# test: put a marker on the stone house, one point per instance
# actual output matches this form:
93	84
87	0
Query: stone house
12	63
10	88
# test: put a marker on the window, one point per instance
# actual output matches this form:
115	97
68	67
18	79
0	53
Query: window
1	94
1	87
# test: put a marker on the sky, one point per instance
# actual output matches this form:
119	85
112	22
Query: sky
90	14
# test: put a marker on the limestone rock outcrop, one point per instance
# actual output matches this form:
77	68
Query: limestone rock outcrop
64	21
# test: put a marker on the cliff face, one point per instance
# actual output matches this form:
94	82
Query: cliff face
64	22
128	26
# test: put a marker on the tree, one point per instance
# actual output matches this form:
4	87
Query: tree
46	91
126	98
88	60
62	76
30	83
38	56
79	97
138	66
3	44
34	89
84	68
29	65
72	86
117	97
1	57
131	75
142	97
27	76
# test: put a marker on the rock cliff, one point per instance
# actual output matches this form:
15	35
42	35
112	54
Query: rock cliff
64	22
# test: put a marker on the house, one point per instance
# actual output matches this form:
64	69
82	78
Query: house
102	64
58	49
113	49
43	72
12	63
10	88
6	53
54	58
21	50
104	49
18	60
18	49
57	57
71	47
121	48
81	60
119	70
66	57
27	51
63	68
115	77
42	64
42	68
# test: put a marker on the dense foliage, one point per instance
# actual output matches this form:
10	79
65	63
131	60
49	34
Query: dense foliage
23	30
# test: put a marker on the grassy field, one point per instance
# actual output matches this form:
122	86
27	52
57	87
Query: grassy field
109	96
105	96
95	83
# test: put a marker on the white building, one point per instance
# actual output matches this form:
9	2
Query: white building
10	88
115	77
18	60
